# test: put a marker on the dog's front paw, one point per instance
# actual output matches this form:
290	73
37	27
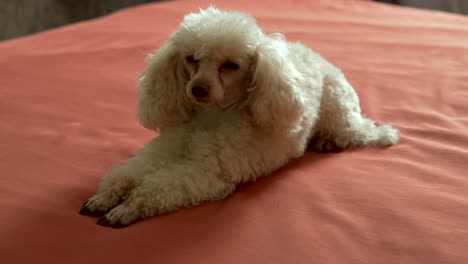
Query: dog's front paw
97	205
121	216
85	210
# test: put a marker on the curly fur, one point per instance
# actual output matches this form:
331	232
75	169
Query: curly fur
265	100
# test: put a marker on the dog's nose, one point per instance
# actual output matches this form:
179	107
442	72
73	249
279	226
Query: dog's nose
200	91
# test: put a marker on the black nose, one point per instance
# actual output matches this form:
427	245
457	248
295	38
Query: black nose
199	91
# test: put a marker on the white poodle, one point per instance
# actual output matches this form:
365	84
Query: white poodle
231	104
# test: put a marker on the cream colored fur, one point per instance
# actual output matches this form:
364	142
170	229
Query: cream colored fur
268	98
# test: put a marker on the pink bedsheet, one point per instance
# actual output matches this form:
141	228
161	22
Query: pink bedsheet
67	115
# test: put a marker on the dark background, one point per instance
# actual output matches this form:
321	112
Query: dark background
24	17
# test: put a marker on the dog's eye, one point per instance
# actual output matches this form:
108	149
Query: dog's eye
228	66
191	59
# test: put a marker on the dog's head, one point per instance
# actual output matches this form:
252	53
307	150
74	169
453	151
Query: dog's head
214	58
216	49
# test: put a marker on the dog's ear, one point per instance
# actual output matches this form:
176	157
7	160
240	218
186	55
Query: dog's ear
274	95
162	100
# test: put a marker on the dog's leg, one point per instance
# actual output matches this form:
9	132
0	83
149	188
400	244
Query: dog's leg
117	185
341	123
114	188
183	184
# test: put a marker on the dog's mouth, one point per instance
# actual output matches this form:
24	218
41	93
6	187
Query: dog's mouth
203	101
222	104
207	100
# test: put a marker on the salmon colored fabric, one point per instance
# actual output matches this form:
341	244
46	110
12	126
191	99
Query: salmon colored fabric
67	115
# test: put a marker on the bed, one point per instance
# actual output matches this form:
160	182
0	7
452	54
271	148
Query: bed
67	116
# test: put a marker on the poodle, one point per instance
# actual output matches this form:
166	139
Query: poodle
231	104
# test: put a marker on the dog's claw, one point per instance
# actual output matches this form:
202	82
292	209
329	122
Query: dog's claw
85	211
104	221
